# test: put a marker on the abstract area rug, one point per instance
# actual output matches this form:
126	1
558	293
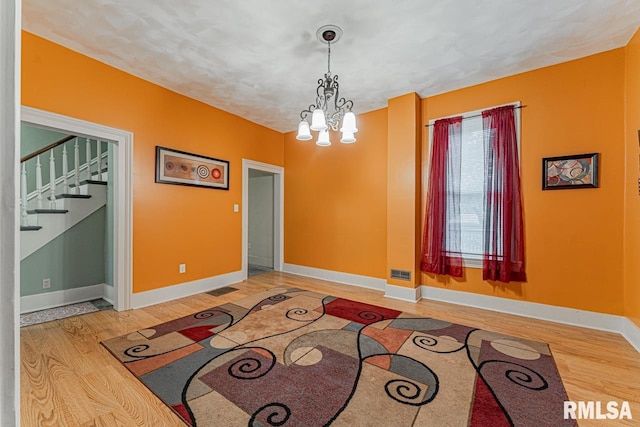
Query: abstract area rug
290	357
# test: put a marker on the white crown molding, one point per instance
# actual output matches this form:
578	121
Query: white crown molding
53	299
336	276
181	290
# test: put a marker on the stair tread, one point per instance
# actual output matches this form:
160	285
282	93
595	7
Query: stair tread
48	211
90	181
73	196
30	227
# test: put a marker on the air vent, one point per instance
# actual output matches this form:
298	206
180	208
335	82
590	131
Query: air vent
401	274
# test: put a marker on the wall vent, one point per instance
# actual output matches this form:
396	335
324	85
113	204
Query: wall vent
401	274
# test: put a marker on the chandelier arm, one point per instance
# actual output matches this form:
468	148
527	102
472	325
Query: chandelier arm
334	119
345	104
308	111
320	88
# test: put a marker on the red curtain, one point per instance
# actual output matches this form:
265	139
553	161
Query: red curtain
441	242
503	258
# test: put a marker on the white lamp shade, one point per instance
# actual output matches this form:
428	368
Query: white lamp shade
348	138
349	123
323	139
318	122
304	134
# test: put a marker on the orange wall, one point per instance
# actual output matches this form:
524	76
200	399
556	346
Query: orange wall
574	241
171	224
335	200
403	187
632	199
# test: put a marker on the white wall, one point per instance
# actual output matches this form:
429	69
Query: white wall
261	226
9	234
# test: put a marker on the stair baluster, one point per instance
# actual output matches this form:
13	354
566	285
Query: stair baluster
88	158
38	183
65	170
99	159
52	181
76	164
23	196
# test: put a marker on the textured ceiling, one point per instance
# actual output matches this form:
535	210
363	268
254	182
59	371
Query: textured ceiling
261	59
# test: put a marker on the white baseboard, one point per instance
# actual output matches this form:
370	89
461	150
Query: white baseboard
336	276
402	293
59	298
631	332
108	293
568	316
181	290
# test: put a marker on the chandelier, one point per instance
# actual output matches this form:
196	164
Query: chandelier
329	109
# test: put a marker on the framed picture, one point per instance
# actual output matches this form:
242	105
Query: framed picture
181	168
563	172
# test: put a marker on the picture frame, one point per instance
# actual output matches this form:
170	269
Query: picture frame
569	172
182	168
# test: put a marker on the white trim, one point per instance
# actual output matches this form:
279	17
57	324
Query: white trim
108	293
552	313
402	293
336	276
123	190
10	21
59	298
181	290
278	213
631	332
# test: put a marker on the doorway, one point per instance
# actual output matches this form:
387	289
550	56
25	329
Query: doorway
120	185
260	245
262	217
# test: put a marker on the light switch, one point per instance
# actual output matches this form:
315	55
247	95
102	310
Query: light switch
236	207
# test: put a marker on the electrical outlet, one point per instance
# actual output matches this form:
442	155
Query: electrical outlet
183	268
46	283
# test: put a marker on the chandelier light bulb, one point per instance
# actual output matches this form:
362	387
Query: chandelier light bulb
304	134
318	121
323	139
349	123
348	138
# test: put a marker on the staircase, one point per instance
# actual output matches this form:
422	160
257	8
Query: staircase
53	207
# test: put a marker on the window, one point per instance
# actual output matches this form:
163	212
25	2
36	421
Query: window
472	186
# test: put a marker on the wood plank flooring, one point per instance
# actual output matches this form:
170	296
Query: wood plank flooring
69	379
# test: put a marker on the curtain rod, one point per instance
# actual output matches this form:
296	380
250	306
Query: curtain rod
475	115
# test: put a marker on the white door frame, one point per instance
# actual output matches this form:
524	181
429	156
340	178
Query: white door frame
278	213
10	17
123	194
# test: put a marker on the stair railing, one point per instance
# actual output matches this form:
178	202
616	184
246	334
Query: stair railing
67	174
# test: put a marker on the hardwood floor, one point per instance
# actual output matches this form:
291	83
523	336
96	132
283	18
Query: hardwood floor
69	379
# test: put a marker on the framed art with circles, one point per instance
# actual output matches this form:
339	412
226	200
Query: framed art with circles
575	171
182	168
